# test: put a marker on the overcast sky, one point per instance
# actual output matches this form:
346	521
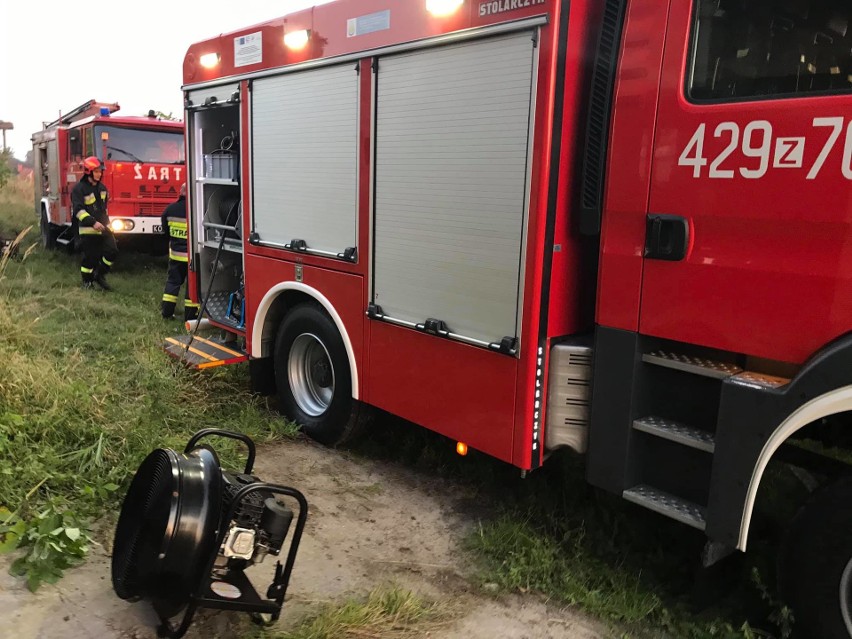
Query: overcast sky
56	55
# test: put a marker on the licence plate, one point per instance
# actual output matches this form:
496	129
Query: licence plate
157	228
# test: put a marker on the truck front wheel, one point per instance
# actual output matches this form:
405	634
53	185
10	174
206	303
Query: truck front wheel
313	379
816	564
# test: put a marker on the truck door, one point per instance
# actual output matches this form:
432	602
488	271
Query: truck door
748	245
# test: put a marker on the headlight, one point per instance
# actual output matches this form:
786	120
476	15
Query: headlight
122	225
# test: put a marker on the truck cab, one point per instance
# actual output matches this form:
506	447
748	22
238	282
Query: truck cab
144	159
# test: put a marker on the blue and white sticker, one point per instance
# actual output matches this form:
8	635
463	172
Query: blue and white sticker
369	23
248	49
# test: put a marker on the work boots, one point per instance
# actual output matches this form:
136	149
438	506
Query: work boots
100	280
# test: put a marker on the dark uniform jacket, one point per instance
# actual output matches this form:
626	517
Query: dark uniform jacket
89	205
174	224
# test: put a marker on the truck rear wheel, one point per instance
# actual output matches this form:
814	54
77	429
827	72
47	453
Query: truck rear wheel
49	232
816	564
313	379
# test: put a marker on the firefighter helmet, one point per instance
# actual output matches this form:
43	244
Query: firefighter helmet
92	163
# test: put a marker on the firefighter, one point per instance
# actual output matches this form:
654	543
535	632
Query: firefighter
174	224
89	203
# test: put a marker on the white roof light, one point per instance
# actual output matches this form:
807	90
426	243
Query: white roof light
209	60
297	39
442	8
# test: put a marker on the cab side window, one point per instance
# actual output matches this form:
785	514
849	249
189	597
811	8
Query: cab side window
746	49
90	142
75	143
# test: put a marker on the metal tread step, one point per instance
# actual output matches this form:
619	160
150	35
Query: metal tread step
760	380
690	364
200	352
677	432
682	510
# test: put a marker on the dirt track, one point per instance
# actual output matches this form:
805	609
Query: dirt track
370	524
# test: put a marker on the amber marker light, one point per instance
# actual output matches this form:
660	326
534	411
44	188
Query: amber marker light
209	60
461	448
297	39
443	8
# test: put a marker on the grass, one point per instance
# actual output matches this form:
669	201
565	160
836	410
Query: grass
86	391
16	206
554	535
387	612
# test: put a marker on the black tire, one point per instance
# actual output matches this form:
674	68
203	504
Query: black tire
815	565
49	232
313	379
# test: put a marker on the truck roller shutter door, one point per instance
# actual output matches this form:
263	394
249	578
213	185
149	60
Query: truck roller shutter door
452	139
222	93
304	146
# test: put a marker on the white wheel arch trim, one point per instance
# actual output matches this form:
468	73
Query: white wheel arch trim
266	304
837	401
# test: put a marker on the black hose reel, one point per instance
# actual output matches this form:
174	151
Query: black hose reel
188	530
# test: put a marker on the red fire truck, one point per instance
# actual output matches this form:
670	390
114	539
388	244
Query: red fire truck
144	159
622	227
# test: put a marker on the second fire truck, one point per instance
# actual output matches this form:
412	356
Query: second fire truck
624	227
145	166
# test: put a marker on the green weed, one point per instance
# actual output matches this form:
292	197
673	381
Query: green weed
86	392
390	613
54	541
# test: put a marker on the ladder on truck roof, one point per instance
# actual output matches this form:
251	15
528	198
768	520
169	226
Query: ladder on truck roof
200	352
83	111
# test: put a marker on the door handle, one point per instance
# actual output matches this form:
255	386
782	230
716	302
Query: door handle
666	237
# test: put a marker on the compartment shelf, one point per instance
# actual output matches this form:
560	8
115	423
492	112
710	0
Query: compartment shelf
217	181
234	246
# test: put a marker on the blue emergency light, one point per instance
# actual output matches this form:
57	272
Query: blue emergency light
104	110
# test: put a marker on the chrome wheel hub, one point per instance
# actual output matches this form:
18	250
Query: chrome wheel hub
311	374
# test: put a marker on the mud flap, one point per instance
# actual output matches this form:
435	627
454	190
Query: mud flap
201	352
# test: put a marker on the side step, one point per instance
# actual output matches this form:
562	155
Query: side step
689	364
663	503
201	352
677	432
714	369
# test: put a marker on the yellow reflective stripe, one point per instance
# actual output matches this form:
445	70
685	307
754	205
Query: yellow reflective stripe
103	195
82	214
206	356
89	230
169	298
83	269
219	346
89	199
106	261
191	304
177	222
177	256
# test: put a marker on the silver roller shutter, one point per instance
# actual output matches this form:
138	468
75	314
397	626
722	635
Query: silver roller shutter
304	153
222	93
452	136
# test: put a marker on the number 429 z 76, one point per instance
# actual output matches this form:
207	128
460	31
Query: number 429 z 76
763	150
